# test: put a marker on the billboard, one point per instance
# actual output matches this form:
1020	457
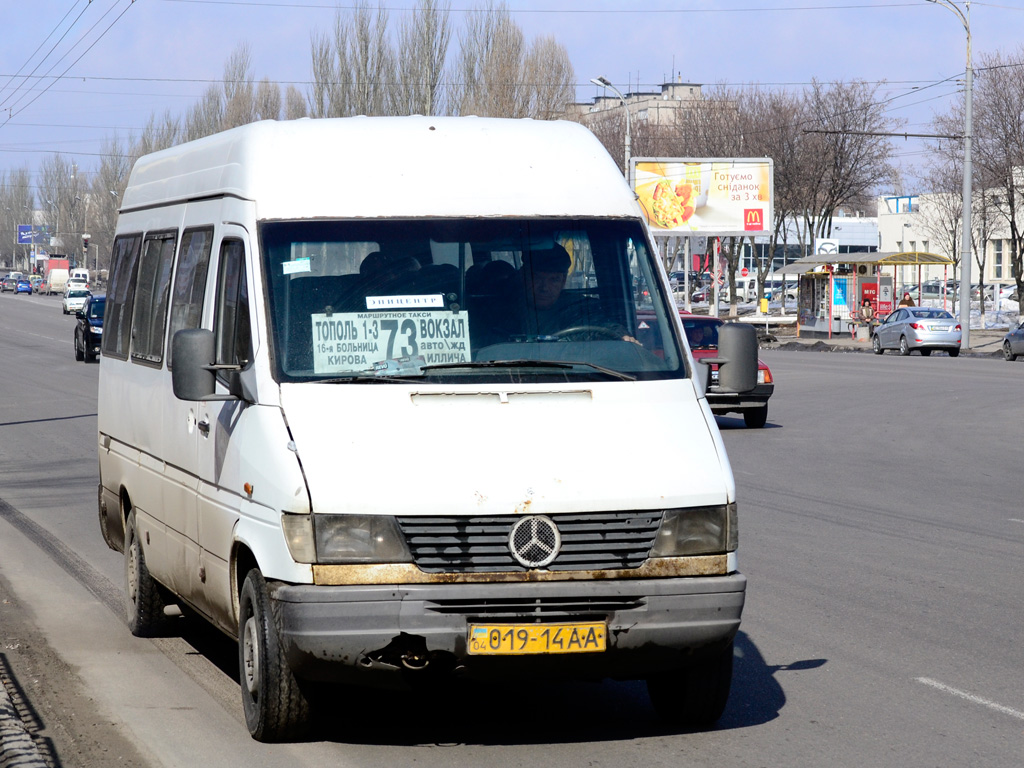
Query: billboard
706	196
29	235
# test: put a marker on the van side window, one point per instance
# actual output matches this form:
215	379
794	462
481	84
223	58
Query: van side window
234	337
121	296
190	281
151	293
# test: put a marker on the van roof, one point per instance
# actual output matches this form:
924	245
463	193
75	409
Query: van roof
369	167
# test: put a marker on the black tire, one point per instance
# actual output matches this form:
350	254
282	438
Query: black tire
954	353
79	355
695	696
904	347
926	352
144	600
275	707
1008	354
876	345
757	417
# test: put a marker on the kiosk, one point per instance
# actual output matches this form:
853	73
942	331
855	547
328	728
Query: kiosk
833	286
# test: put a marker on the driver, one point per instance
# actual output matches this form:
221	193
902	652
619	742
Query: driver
546	311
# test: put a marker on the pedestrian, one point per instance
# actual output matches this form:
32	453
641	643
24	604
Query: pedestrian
906	301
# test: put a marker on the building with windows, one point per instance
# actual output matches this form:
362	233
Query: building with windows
658	108
931	223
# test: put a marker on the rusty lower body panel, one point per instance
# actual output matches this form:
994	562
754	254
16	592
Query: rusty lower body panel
360	633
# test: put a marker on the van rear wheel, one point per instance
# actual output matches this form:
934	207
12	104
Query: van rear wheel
694	696
275	707
144	601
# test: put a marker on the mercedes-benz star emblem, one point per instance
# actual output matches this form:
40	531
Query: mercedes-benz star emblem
535	541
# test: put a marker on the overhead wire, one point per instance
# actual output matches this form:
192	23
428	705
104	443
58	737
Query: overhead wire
40	46
11	110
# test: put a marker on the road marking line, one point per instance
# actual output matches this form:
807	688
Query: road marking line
1015	520
972	698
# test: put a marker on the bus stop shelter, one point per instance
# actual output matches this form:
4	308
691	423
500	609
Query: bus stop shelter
834	285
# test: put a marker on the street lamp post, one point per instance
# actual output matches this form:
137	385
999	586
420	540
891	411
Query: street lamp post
605	83
965	240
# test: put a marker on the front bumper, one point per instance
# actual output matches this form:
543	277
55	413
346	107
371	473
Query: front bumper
358	634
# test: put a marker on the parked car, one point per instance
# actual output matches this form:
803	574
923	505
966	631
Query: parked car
920	328
8	284
89	330
702	335
74	300
929	291
1013	343
23	286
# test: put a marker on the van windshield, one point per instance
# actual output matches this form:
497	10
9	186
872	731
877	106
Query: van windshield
466	300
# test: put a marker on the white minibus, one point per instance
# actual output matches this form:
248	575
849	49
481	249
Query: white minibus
378	398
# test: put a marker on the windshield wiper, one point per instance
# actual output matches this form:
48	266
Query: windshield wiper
366	378
566	365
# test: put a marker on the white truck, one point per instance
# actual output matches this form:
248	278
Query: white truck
56	281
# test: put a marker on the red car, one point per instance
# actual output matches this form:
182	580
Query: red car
702	336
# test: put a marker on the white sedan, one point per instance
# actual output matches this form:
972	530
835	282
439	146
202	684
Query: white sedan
74	300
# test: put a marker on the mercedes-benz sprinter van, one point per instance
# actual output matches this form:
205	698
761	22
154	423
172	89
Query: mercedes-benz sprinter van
370	401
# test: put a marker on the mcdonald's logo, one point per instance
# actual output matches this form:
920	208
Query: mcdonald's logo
753	219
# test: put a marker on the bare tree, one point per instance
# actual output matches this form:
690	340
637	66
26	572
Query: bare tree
549	77
239	91
16	208
294	104
499	75
850	163
490	65
206	116
353	71
423	39
107	190
267	100
999	145
942	212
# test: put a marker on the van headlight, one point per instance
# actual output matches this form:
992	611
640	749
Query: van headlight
345	539
697	531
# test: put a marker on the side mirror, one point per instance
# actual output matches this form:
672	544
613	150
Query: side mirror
193	376
80	314
737	358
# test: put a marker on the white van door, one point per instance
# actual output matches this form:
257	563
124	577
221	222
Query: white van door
222	484
181	433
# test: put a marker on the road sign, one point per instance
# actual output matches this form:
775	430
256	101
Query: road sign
744	272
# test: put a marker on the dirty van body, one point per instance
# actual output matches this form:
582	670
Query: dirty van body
363	411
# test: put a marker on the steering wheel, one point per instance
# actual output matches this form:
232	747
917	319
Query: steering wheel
588	333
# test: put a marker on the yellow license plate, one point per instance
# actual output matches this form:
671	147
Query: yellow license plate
521	639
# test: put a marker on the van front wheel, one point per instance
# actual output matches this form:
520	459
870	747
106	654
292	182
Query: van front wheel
694	696
275	707
144	602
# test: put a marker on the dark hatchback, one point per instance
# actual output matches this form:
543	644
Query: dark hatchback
89	329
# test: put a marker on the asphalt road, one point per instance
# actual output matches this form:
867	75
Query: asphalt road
880	526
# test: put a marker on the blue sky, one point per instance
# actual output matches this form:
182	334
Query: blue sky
152	55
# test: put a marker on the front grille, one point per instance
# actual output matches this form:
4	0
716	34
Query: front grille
590	541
